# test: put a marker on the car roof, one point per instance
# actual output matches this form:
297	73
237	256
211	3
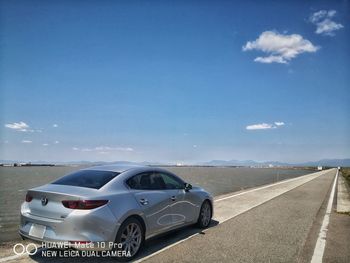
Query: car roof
119	168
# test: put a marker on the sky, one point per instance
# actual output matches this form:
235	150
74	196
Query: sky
174	81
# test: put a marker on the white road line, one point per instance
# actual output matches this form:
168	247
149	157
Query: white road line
317	257
260	188
18	256
10	258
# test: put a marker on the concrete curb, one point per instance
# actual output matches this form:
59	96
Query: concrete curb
343	196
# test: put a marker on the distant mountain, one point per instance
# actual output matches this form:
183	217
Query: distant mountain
323	162
328	162
242	163
86	163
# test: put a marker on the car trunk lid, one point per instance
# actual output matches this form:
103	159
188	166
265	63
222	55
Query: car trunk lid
47	199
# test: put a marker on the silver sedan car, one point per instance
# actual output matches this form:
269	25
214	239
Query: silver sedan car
122	205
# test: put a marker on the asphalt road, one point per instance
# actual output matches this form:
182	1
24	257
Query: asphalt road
275	231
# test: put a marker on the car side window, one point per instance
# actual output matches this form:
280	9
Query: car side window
171	182
135	181
146	181
157	182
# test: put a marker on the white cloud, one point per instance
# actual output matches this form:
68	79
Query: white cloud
265	126
280	48
327	27
104	149
26	141
21	126
317	16
55	125
45	144
86	150
260	126
324	23
107	148
271	59
56	142
18	126
124	149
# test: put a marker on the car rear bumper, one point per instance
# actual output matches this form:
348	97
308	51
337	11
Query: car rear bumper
80	227
59	244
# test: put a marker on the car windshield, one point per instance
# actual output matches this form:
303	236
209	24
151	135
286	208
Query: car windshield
87	178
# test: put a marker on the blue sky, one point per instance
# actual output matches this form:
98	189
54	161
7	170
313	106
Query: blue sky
174	81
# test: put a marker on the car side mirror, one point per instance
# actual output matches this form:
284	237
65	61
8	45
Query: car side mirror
188	187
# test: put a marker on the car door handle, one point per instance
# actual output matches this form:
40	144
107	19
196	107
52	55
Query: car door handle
173	198
143	201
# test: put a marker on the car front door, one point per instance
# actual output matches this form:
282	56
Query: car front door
149	191
182	209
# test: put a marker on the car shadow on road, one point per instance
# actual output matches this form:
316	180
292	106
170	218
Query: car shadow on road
151	246
155	244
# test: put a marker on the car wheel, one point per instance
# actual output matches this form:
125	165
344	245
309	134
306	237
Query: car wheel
204	215
130	236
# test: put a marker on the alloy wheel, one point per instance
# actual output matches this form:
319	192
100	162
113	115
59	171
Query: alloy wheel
131	238
206	214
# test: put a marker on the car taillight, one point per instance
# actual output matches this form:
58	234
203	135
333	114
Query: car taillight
84	204
29	198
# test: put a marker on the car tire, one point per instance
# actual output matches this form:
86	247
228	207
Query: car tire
132	235
205	215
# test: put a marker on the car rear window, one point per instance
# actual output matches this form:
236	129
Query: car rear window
87	178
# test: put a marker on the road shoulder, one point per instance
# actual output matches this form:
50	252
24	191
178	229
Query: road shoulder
338	236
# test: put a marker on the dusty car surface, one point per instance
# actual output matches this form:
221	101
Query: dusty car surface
121	204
